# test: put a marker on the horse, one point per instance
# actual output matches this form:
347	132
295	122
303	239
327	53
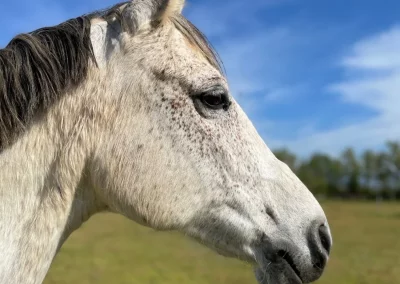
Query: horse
128	110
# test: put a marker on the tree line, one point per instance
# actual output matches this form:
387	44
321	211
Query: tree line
370	175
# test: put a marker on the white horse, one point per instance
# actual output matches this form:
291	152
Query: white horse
127	110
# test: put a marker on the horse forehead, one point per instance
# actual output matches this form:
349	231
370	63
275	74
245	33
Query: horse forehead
176	50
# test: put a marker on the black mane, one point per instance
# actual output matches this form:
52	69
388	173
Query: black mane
37	68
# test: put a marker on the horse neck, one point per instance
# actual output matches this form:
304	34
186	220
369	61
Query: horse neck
41	202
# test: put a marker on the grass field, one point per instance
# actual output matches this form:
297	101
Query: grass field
111	249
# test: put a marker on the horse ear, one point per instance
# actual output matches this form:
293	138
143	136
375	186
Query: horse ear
174	7
141	12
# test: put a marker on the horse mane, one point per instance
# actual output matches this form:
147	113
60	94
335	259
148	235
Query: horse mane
37	68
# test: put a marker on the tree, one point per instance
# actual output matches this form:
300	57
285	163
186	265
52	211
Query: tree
383	173
394	152
392	167
352	169
369	168
368	176
321	174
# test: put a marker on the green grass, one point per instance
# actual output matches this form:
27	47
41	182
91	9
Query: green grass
112	249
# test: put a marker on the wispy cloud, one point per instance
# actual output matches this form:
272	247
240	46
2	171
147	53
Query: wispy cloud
371	78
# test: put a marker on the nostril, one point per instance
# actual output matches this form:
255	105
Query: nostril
325	238
320	243
281	253
320	262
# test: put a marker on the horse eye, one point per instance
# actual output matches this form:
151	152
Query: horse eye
212	100
215	98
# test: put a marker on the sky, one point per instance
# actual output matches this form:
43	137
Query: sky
312	75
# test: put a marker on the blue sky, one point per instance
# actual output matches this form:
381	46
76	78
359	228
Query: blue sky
313	75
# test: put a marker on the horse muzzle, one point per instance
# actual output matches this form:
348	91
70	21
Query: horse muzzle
283	262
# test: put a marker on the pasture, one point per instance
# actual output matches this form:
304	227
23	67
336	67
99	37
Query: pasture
110	249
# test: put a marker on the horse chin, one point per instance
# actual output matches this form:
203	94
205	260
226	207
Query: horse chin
276	271
274	274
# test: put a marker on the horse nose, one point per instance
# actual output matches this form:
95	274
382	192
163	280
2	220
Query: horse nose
320	243
325	238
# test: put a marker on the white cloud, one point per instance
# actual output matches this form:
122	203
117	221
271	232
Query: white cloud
285	94
372	70
379	52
